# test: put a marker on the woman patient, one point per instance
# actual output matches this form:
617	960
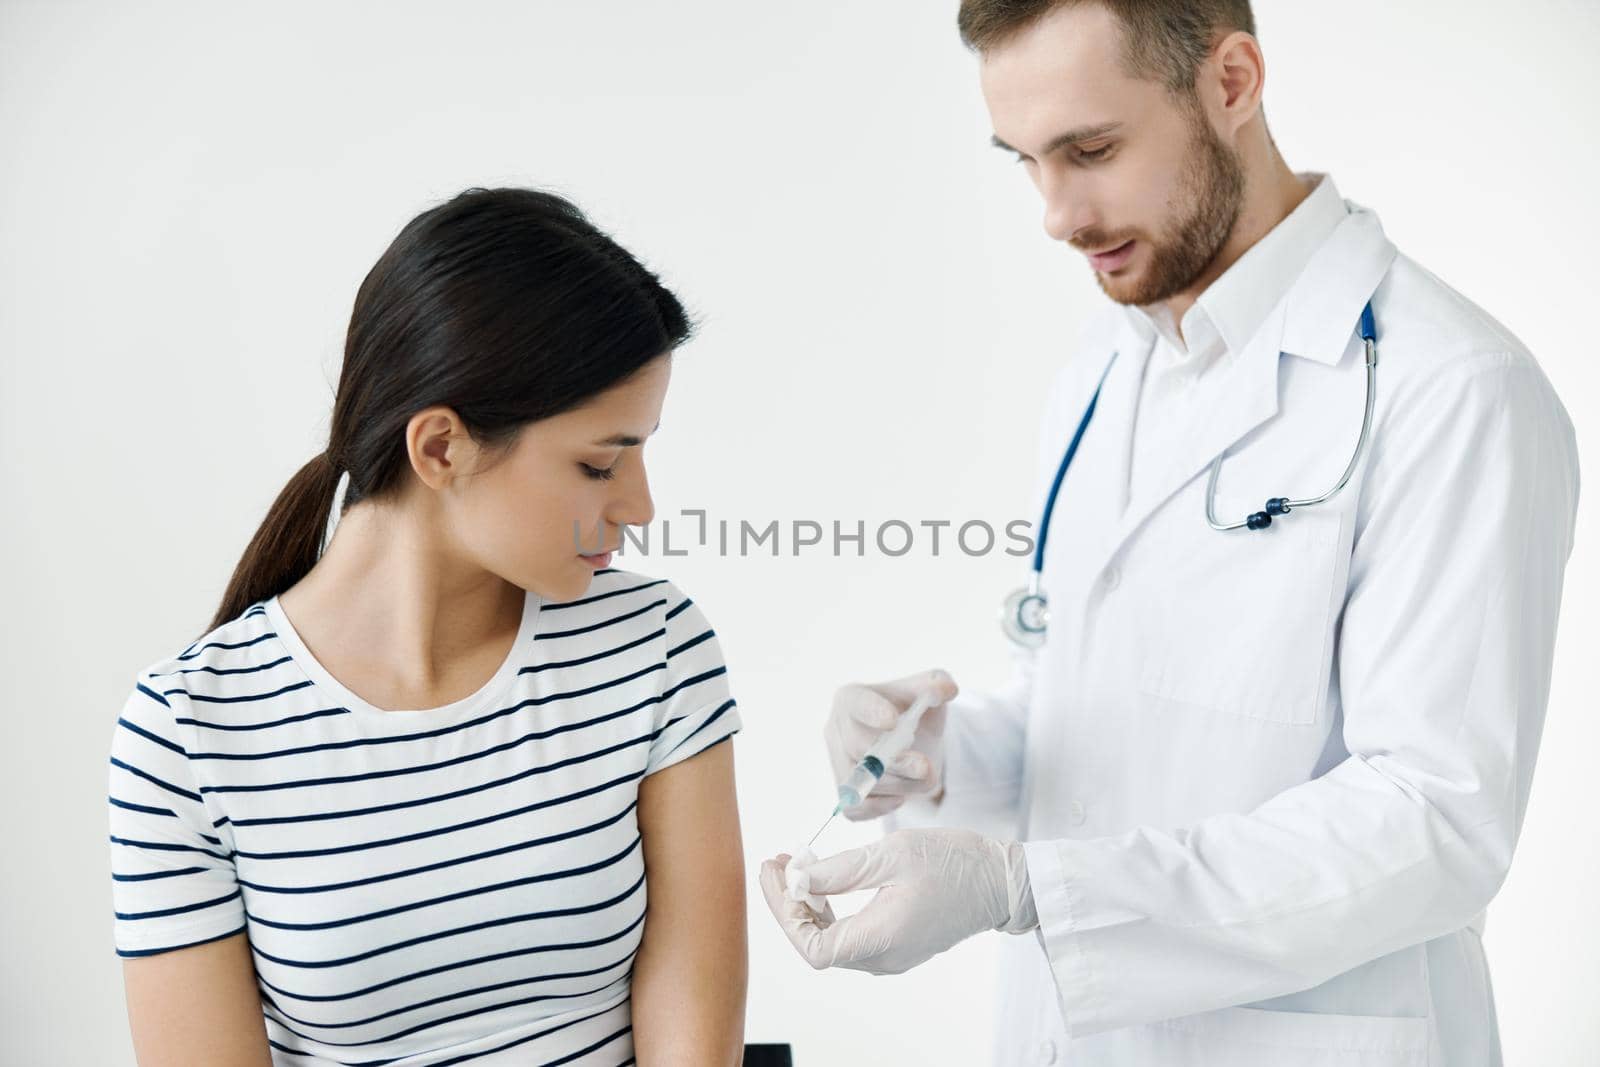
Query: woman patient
450	789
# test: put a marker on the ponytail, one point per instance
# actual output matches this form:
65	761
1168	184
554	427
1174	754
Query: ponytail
286	546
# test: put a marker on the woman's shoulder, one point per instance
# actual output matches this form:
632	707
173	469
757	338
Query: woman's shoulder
623	594
627	607
169	697
694	706
242	645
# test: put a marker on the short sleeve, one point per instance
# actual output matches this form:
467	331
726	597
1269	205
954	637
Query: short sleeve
173	882
696	709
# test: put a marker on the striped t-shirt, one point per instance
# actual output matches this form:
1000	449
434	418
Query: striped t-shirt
461	884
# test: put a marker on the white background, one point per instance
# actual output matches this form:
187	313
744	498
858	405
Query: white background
189	195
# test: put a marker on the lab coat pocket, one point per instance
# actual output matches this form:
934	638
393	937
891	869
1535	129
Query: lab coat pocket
1245	625
1253	1037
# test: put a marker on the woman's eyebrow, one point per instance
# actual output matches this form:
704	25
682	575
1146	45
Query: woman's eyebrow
623	440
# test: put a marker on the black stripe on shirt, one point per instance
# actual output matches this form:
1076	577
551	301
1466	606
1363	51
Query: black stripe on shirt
488	924
135	953
429	972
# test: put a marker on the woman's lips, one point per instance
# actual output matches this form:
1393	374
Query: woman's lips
1115	259
597	562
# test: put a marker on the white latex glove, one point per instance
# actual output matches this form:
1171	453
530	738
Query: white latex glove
936	888
862	712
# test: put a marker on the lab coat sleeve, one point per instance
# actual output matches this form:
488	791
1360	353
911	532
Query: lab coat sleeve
1462	534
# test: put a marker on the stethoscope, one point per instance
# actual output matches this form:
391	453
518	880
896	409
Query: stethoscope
1025	614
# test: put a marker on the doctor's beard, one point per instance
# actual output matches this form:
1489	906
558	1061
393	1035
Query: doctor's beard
1212	190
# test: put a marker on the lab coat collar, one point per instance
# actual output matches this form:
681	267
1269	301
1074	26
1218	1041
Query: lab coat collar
1316	319
1238	302
1324	305
1118	403
1226	406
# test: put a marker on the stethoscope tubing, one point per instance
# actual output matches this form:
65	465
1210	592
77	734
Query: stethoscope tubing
1016	606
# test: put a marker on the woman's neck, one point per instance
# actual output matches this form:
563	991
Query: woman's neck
393	613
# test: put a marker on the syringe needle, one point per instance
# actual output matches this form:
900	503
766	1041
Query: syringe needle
823	827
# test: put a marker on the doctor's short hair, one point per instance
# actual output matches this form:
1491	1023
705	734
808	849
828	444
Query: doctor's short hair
1163	40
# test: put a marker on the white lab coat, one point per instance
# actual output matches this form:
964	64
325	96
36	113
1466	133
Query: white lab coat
1270	781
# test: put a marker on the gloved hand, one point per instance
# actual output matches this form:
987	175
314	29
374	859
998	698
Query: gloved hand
939	887
862	712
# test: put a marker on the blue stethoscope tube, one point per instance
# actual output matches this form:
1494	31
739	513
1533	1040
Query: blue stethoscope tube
1025	615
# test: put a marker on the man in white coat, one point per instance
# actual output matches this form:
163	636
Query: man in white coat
1248	803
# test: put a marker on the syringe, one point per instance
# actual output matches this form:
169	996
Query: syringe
867	773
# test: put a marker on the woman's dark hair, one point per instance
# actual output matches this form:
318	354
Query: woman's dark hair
505	305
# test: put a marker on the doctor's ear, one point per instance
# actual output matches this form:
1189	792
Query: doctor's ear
1230	82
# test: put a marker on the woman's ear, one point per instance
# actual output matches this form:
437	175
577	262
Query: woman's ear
439	447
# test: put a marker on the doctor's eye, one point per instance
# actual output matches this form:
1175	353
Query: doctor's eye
599	474
1095	155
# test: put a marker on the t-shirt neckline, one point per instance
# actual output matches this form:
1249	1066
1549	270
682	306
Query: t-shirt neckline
485	695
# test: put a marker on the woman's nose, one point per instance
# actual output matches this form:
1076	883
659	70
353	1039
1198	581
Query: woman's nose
633	505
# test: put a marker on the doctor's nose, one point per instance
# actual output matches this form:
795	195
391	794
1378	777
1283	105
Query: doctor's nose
1064	215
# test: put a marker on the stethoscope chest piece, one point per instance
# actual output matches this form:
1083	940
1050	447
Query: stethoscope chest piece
1025	617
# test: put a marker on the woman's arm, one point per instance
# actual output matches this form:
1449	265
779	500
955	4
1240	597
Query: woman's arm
690	974
197	1007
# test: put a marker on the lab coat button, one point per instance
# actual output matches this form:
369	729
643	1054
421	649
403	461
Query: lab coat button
1047	1051
1112	579
1075	812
